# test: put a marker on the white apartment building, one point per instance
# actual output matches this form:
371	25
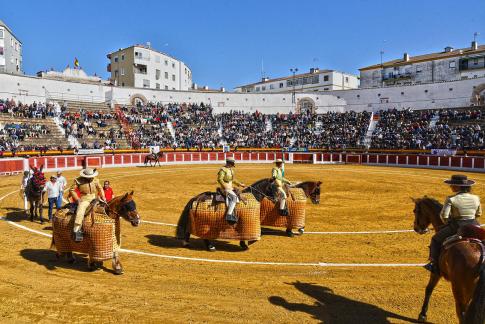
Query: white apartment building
140	66
313	81
449	65
10	51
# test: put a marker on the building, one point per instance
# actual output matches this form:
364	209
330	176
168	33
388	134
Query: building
70	74
140	66
448	65
10	51
315	80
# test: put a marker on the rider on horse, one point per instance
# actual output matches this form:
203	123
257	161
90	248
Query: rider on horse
89	187
459	210
226	179
278	182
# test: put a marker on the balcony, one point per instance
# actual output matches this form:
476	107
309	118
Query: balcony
140	69
394	77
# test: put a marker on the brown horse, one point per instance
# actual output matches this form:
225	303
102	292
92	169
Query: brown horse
262	188
34	192
121	206
154	157
461	263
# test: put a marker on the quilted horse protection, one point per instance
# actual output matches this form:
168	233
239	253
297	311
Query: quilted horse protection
296	203
101	233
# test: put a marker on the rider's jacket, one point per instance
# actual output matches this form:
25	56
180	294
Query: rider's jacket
225	178
461	206
86	188
277	175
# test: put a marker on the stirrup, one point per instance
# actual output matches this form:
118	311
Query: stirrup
77	236
431	267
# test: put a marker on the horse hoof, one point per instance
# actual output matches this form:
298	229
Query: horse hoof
119	271
301	231
211	248
422	318
244	246
186	244
289	233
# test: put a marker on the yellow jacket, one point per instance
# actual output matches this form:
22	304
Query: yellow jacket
225	178
86	187
277	175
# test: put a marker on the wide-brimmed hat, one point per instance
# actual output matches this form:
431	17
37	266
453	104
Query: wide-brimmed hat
460	180
230	159
278	161
88	173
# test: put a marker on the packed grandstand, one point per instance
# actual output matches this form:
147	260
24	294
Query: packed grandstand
61	126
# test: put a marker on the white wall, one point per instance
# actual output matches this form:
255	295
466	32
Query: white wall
29	89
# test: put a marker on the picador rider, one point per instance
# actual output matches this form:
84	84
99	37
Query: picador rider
226	179
278	186
89	187
459	210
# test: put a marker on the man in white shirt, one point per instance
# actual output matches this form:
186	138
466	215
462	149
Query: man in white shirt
53	188
63	184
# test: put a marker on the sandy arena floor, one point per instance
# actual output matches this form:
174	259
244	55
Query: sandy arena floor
34	287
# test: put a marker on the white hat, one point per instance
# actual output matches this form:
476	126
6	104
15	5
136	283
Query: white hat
230	159
88	173
278	161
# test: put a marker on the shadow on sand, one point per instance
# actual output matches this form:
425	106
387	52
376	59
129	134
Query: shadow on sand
331	308
18	215
172	242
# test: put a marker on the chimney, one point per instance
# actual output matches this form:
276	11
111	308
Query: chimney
406	57
206	88
223	89
149	45
314	70
474	45
264	79
448	49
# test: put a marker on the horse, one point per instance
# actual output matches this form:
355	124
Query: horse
263	188
460	262
215	226
34	192
122	206
153	157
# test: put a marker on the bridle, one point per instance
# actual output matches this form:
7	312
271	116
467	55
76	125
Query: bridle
125	210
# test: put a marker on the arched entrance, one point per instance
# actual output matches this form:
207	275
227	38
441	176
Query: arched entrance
478	95
138	99
305	105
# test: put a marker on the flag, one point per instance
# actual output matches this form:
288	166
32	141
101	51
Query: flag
76	62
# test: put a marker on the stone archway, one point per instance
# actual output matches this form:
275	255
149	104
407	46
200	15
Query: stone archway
478	95
304	105
137	98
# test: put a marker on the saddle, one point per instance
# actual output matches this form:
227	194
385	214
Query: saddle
95	205
468	233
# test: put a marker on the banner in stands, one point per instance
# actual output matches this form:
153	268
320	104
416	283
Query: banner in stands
154	149
296	149
90	151
444	152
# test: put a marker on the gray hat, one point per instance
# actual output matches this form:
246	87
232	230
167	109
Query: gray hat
460	180
88	173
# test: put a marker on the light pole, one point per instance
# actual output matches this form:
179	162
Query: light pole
293	70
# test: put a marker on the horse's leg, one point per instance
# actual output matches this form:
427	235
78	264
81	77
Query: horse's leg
461	299
40	210
70	257
301	230
31	203
209	246
433	281
186	242
243	245
117	267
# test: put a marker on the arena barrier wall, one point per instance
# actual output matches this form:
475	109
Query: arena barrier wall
9	166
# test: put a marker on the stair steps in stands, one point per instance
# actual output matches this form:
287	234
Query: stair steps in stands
374	119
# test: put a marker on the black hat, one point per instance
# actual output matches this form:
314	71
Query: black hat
460	180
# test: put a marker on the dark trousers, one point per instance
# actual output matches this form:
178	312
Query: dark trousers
444	232
52	202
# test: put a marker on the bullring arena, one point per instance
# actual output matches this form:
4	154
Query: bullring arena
359	260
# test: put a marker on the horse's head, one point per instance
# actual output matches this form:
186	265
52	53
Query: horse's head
311	189
38	179
127	209
426	212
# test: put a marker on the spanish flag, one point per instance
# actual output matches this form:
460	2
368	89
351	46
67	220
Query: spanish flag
76	62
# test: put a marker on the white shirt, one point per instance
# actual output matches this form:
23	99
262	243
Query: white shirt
63	182
53	189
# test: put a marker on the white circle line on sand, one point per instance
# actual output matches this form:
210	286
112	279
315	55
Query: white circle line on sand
175	257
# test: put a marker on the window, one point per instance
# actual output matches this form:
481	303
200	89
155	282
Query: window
146	83
1	33
452	64
173	88
315	79
173	77
16	46
281	84
257	89
157	74
263	88
166	63
271	86
166	75
1	50
116	73
157	86
122	84
475	61
325	89
325	78
116	59
122	57
11	42
122	71
173	65
166	87
419	69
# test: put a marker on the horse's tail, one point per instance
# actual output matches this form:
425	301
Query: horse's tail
475	313
183	224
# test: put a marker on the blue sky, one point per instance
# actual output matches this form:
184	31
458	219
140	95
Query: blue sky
224	42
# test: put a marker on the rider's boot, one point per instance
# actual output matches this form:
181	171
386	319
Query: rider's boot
434	254
78	236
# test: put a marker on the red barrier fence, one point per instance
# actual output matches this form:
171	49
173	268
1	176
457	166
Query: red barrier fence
466	163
